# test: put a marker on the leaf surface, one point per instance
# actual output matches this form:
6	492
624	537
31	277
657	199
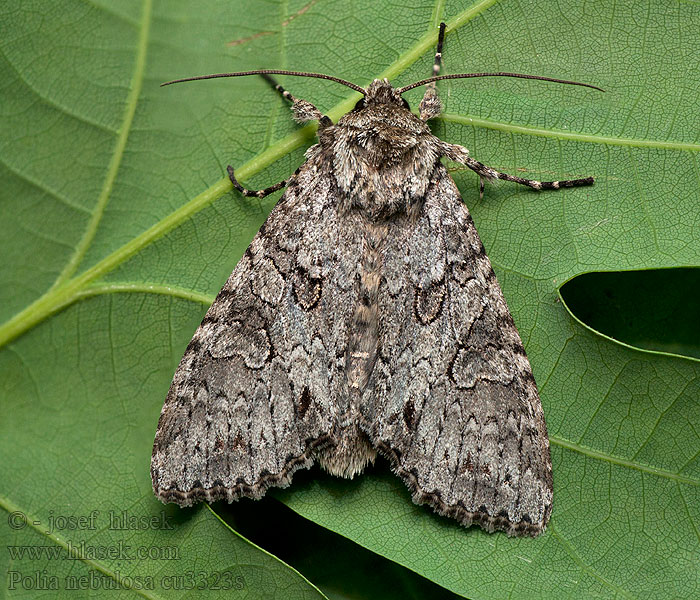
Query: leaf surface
118	230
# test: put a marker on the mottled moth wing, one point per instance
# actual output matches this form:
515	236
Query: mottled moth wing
456	408
257	392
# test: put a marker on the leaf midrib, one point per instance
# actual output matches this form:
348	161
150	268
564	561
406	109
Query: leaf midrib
67	290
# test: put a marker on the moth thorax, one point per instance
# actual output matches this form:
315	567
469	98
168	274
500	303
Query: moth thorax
385	173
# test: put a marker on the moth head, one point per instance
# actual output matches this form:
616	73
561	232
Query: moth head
380	91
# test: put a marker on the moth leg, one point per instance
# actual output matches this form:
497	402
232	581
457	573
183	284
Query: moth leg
303	111
256	193
461	155
430	106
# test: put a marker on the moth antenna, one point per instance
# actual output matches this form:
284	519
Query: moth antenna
519	75
357	88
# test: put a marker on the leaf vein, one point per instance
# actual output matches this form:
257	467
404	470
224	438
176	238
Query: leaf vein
9	507
569	135
622	462
583	566
120	146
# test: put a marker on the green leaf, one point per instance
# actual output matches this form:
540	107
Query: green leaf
118	229
645	309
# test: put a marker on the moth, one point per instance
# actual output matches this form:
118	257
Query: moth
364	319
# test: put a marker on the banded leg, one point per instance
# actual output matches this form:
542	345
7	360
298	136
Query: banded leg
461	155
430	106
303	111
256	193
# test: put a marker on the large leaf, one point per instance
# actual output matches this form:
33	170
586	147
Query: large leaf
118	229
